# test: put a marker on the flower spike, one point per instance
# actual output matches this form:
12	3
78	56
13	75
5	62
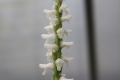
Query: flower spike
56	33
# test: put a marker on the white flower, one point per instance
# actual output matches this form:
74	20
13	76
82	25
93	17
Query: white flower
67	59
66	18
59	63
46	67
49	28
62	31
66	31
53	21
64	8
48	12
66	44
63	77
51	47
57	1
49	56
48	37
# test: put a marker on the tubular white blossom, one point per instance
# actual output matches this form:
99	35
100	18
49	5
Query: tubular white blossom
66	18
49	56
51	47
48	12
67	59
48	37
67	31
53	21
46	67
49	28
64	8
59	63
66	44
62	31
63	77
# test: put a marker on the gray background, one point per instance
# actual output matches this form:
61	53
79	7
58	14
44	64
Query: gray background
21	46
107	19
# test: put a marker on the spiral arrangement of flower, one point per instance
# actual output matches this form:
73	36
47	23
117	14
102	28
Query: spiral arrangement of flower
54	55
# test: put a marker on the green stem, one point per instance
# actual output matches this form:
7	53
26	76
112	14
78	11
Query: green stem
56	55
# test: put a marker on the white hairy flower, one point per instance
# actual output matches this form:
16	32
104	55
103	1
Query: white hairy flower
66	18
53	21
61	32
49	28
59	63
66	44
63	77
49	56
51	47
57	1
46	67
48	37
67	59
48	12
64	8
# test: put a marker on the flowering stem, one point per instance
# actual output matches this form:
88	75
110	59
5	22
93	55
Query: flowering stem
54	50
56	55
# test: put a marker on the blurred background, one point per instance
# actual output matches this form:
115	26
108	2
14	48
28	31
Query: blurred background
21	46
